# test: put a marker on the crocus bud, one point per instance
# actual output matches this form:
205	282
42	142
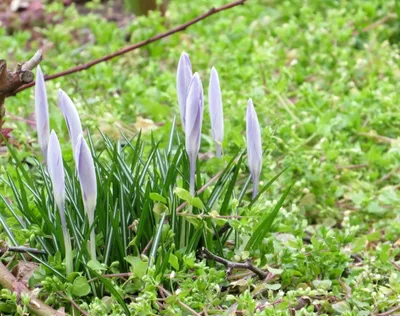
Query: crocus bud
193	122
55	168
87	178
183	79
42	112
216	113
254	150
71	117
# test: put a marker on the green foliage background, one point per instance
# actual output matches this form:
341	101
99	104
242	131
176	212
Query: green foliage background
324	77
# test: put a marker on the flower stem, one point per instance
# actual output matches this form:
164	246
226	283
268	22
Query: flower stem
92	242
68	251
255	188
218	150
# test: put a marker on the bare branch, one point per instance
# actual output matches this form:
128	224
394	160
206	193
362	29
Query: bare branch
33	62
235	265
36	306
23	250
130	48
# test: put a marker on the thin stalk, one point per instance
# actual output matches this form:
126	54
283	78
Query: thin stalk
255	187
92	242
67	240
68	251
218	150
192	162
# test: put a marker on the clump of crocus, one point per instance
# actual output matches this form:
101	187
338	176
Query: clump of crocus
216	112
193	122
183	80
55	168
254	150
71	117
42	112
87	178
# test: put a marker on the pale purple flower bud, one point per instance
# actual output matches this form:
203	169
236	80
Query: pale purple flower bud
193	122
254	150
71	117
55	168
86	173
216	112
42	112
87	178
183	79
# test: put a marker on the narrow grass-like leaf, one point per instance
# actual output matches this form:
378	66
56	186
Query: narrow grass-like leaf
265	226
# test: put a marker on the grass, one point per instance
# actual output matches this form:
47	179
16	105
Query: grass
324	78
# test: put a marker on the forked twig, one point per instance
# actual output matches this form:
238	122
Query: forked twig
130	48
235	265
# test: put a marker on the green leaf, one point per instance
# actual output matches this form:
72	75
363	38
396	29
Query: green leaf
183	194
273	287
80	287
196	202
173	261
397	8
138	266
95	265
158	198
322	284
110	287
266	224
341	307
275	271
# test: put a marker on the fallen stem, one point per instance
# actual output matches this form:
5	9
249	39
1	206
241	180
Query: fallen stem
23	250
235	265
35	306
130	48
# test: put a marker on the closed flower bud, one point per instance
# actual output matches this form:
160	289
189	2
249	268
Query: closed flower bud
71	117
42	112
254	150
183	79
216	112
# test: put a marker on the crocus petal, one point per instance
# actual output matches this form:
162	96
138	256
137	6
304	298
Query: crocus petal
71	117
183	79
193	122
194	116
42	112
216	112
254	150
55	168
86	173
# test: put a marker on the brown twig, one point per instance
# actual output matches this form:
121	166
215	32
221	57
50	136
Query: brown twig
23	250
363	165
113	275
397	266
147	246
388	175
10	81
379	138
35	306
390	311
130	48
188	308
74	304
202	189
381	21
235	265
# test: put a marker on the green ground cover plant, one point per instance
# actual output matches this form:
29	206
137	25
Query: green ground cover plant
323	76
